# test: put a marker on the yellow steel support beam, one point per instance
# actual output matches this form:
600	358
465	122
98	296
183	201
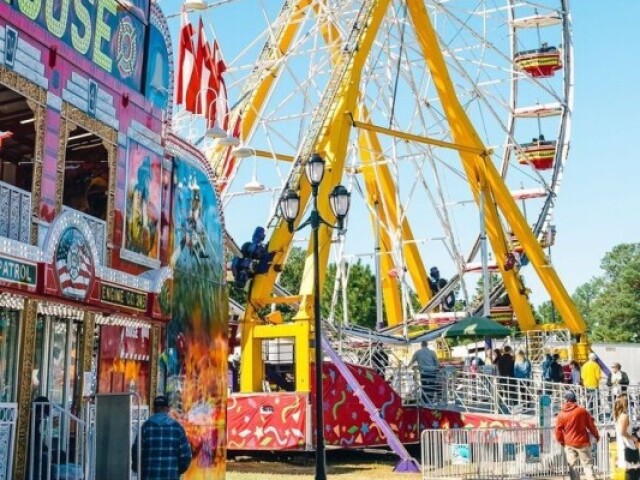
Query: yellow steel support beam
379	222
410	137
333	145
274	156
482	174
390	285
380	186
464	134
251	362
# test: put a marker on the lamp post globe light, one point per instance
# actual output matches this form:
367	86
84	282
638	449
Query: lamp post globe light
340	200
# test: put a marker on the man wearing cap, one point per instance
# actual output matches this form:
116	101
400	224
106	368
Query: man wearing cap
165	450
617	380
428	364
574	427
591	374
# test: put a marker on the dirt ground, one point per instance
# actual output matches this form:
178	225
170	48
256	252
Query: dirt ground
342	465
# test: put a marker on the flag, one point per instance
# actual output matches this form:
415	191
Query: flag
213	85
221	67
186	59
222	103
192	96
208	92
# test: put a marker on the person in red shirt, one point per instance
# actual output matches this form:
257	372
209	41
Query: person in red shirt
574	427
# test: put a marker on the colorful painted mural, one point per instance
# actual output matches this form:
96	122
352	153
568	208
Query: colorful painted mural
347	424
195	361
124	360
271	421
144	188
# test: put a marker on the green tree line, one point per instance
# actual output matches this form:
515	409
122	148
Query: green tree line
610	302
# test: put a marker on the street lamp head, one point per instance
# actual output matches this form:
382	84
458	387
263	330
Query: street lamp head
215	132
289	206
314	169
340	200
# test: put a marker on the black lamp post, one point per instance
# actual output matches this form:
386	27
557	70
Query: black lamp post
339	199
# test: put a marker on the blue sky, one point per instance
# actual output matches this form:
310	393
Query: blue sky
598	203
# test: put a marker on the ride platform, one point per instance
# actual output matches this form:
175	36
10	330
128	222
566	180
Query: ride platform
284	420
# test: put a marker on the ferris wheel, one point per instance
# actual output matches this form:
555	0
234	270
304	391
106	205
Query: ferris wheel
411	124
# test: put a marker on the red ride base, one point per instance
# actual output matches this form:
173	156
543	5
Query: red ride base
278	420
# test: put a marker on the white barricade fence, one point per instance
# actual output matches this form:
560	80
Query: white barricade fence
8	419
492	453
600	402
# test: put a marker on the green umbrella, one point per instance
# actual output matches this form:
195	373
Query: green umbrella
476	327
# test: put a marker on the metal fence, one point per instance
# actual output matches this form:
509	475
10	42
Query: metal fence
15	213
60	444
600	402
489	453
8	418
467	391
490	394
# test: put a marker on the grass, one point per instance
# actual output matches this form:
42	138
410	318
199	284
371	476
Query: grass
345	465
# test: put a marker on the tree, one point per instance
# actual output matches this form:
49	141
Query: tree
361	295
361	289
545	313
615	300
585	297
291	277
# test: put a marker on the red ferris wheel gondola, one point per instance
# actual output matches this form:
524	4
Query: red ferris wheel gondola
540	62
540	153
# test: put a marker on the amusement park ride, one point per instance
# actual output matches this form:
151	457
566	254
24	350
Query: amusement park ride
422	109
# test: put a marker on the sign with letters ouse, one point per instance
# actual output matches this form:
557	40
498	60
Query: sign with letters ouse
103	31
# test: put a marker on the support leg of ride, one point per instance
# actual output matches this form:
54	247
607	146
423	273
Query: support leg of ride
407	465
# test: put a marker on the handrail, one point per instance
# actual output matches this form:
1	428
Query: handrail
59	444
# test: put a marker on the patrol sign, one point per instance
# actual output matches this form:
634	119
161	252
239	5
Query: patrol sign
14	271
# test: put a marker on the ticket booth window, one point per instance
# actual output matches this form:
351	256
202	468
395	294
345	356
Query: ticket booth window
86	174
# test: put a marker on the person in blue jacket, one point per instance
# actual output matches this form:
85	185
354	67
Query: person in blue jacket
522	372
